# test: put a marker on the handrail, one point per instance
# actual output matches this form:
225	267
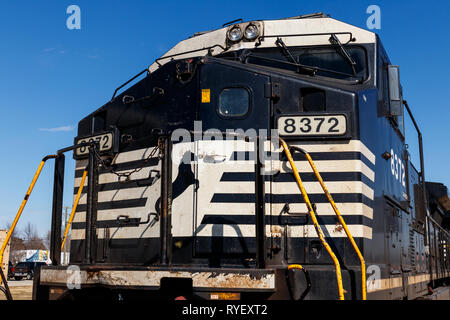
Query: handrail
22	206
314	219
190	51
422	178
341	220
123	85
74	208
231	22
30	189
5	290
308	280
263	37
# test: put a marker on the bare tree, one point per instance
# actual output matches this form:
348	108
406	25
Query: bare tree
17	244
30	232
31	237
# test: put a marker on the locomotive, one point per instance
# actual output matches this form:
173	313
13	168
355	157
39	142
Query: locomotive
265	159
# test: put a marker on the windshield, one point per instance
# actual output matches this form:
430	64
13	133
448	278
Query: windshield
326	57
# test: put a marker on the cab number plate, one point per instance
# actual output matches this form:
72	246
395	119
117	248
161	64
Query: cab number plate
312	125
105	141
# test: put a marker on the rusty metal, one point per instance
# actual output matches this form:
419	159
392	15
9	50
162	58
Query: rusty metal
212	279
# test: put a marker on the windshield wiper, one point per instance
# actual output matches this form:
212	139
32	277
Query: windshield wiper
280	44
300	68
306	69
310	70
335	41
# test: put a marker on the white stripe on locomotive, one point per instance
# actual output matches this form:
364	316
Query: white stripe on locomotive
184	226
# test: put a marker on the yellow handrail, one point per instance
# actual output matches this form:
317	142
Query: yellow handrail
342	222
74	208
295	266
22	206
308	280
314	220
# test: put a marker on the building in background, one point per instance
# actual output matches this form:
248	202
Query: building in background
6	253
34	256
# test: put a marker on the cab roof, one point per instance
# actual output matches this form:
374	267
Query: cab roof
305	30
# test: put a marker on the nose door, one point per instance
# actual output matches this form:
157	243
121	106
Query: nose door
224	222
127	215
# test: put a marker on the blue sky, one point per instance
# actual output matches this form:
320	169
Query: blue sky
51	77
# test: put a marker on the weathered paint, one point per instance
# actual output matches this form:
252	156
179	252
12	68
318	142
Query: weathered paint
152	278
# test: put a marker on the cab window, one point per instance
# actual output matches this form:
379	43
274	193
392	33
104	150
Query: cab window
234	102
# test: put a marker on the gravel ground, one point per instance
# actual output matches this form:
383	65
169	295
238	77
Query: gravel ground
20	283
20	290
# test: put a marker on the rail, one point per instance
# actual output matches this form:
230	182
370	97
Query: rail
314	219
123	85
5	290
74	208
422	178
341	220
307	278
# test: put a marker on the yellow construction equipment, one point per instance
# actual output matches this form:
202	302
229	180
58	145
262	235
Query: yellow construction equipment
22	206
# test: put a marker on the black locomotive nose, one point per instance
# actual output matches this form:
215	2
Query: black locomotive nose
228	221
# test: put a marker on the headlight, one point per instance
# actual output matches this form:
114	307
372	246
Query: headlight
251	32
235	34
